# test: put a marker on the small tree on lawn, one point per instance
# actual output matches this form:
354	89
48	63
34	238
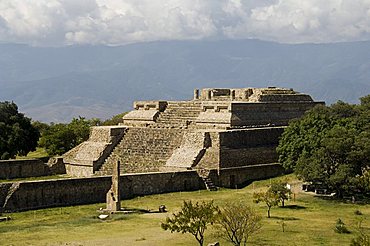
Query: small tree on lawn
193	219
281	191
269	198
238	222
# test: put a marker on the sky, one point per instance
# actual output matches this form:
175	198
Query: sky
118	22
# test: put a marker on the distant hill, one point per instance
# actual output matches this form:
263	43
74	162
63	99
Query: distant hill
57	84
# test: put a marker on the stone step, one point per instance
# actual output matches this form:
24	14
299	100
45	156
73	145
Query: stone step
144	148
209	184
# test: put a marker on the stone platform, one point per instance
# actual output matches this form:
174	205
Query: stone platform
219	128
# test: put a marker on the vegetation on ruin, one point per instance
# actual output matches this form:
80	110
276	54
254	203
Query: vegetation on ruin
308	220
17	135
330	146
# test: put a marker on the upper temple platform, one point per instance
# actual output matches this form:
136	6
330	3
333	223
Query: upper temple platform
223	108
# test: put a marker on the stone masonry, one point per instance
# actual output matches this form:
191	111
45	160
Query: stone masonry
218	129
221	138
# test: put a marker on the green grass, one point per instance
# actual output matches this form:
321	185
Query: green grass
58	176
38	153
309	221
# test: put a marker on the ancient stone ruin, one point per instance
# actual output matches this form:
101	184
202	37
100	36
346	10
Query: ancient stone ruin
221	138
113	195
220	129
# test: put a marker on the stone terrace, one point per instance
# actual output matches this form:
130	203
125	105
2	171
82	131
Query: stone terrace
196	134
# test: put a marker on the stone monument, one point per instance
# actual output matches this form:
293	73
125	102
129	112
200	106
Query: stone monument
231	131
113	195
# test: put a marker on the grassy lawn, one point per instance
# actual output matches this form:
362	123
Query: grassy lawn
309	221
38	153
57	176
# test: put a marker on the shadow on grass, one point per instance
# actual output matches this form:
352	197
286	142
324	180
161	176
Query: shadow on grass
295	207
362	200
283	218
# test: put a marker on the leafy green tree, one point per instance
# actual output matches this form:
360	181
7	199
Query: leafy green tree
59	138
115	120
303	136
40	126
330	146
281	191
237	222
17	135
269	198
193	219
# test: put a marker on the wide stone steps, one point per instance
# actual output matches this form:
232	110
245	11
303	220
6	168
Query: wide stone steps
179	113
143	150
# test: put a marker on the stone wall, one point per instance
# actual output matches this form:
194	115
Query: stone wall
263	113
247	156
87	157
238	177
11	169
251	137
66	192
211	157
249	146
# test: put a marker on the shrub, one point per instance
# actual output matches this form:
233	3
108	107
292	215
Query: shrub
340	227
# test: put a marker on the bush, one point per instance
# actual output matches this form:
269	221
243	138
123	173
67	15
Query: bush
358	212
340	227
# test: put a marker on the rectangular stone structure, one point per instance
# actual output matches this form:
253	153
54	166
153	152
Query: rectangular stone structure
113	195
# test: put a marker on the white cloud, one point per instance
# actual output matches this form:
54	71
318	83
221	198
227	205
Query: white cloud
113	22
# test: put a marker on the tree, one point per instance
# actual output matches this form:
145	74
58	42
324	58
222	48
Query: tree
59	138
193	219
17	135
238	222
303	135
281	191
269	198
115	120
330	146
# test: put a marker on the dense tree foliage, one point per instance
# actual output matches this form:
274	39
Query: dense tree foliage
59	138
115	120
17	135
193	219
330	146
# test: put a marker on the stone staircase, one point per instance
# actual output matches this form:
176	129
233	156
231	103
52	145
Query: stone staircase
209	184
143	150
205	175
179	114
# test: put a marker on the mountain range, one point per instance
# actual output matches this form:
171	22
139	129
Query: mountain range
55	84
